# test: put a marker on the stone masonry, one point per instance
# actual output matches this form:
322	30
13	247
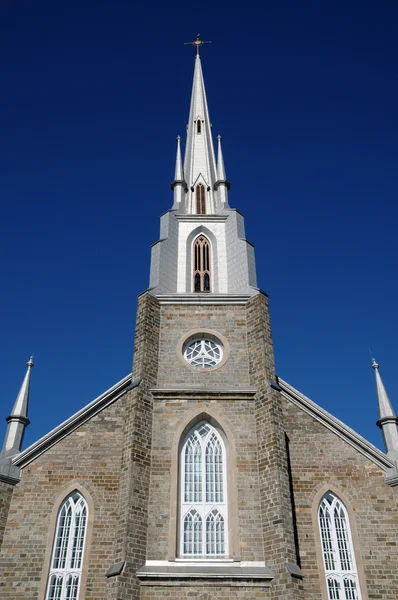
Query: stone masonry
85	459
320	460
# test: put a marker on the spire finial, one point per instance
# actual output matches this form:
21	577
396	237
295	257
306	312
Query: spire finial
198	42
30	362
374	364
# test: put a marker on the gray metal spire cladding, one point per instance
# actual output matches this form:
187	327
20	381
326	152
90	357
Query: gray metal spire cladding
17	421
387	417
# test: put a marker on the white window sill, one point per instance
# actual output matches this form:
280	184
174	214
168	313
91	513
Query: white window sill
258	573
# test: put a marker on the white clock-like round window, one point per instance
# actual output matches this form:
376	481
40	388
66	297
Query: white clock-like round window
203	353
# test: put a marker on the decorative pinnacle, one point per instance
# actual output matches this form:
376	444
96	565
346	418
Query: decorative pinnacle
219	137
198	42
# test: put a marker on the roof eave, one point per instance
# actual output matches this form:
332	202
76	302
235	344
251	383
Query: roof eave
75	421
338	427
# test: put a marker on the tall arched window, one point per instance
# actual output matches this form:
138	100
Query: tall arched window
199	126
338	552
203	523
200	199
67	555
201	267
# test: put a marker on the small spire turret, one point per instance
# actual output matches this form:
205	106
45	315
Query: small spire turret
222	184
387	418
17	421
179	185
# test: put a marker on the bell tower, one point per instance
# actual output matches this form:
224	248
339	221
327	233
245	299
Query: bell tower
202	247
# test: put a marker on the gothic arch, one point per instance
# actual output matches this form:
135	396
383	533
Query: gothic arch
195	416
213	257
57	501
346	499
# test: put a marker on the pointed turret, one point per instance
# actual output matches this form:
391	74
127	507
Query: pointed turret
179	185
199	162
387	418
222	185
17	421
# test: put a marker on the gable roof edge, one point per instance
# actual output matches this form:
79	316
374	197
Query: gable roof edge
73	422
335	425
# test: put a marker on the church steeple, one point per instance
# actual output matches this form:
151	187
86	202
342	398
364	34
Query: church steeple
199	160
17	421
202	247
387	417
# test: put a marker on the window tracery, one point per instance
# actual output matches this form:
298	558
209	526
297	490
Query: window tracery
203	494
201	273
337	548
68	548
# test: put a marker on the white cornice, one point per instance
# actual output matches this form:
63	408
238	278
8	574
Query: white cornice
201	218
203	393
83	415
333	424
203	298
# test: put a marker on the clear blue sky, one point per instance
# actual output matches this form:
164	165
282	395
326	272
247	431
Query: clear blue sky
93	96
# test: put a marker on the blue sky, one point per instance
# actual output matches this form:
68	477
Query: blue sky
93	96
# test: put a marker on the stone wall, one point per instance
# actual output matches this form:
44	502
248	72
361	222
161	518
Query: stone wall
320	460
206	592
273	471
178	320
89	460
131	531
5	499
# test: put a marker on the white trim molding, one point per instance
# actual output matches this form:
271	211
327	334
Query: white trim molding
75	421
336	426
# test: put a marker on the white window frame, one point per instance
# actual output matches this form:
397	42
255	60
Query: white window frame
70	569
340	566
200	500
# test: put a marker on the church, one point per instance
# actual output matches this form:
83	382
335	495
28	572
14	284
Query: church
202	475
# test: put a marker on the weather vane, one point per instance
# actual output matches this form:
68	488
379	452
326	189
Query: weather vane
198	42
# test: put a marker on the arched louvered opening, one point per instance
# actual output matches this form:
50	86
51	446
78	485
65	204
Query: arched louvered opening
67	555
338	552
201	273
200	199
203	494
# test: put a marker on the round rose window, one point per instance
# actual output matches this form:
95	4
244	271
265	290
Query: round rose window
203	353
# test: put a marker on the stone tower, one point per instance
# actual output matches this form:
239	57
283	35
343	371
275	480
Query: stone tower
205	358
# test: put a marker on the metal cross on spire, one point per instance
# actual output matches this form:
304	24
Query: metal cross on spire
198	42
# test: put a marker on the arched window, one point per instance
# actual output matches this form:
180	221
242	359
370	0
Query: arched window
338	552
67	555
203	523
201	267
200	199
199	126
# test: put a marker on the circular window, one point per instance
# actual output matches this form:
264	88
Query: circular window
203	352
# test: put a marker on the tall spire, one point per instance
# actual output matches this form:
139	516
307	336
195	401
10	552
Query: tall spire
199	162
17	421
387	418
